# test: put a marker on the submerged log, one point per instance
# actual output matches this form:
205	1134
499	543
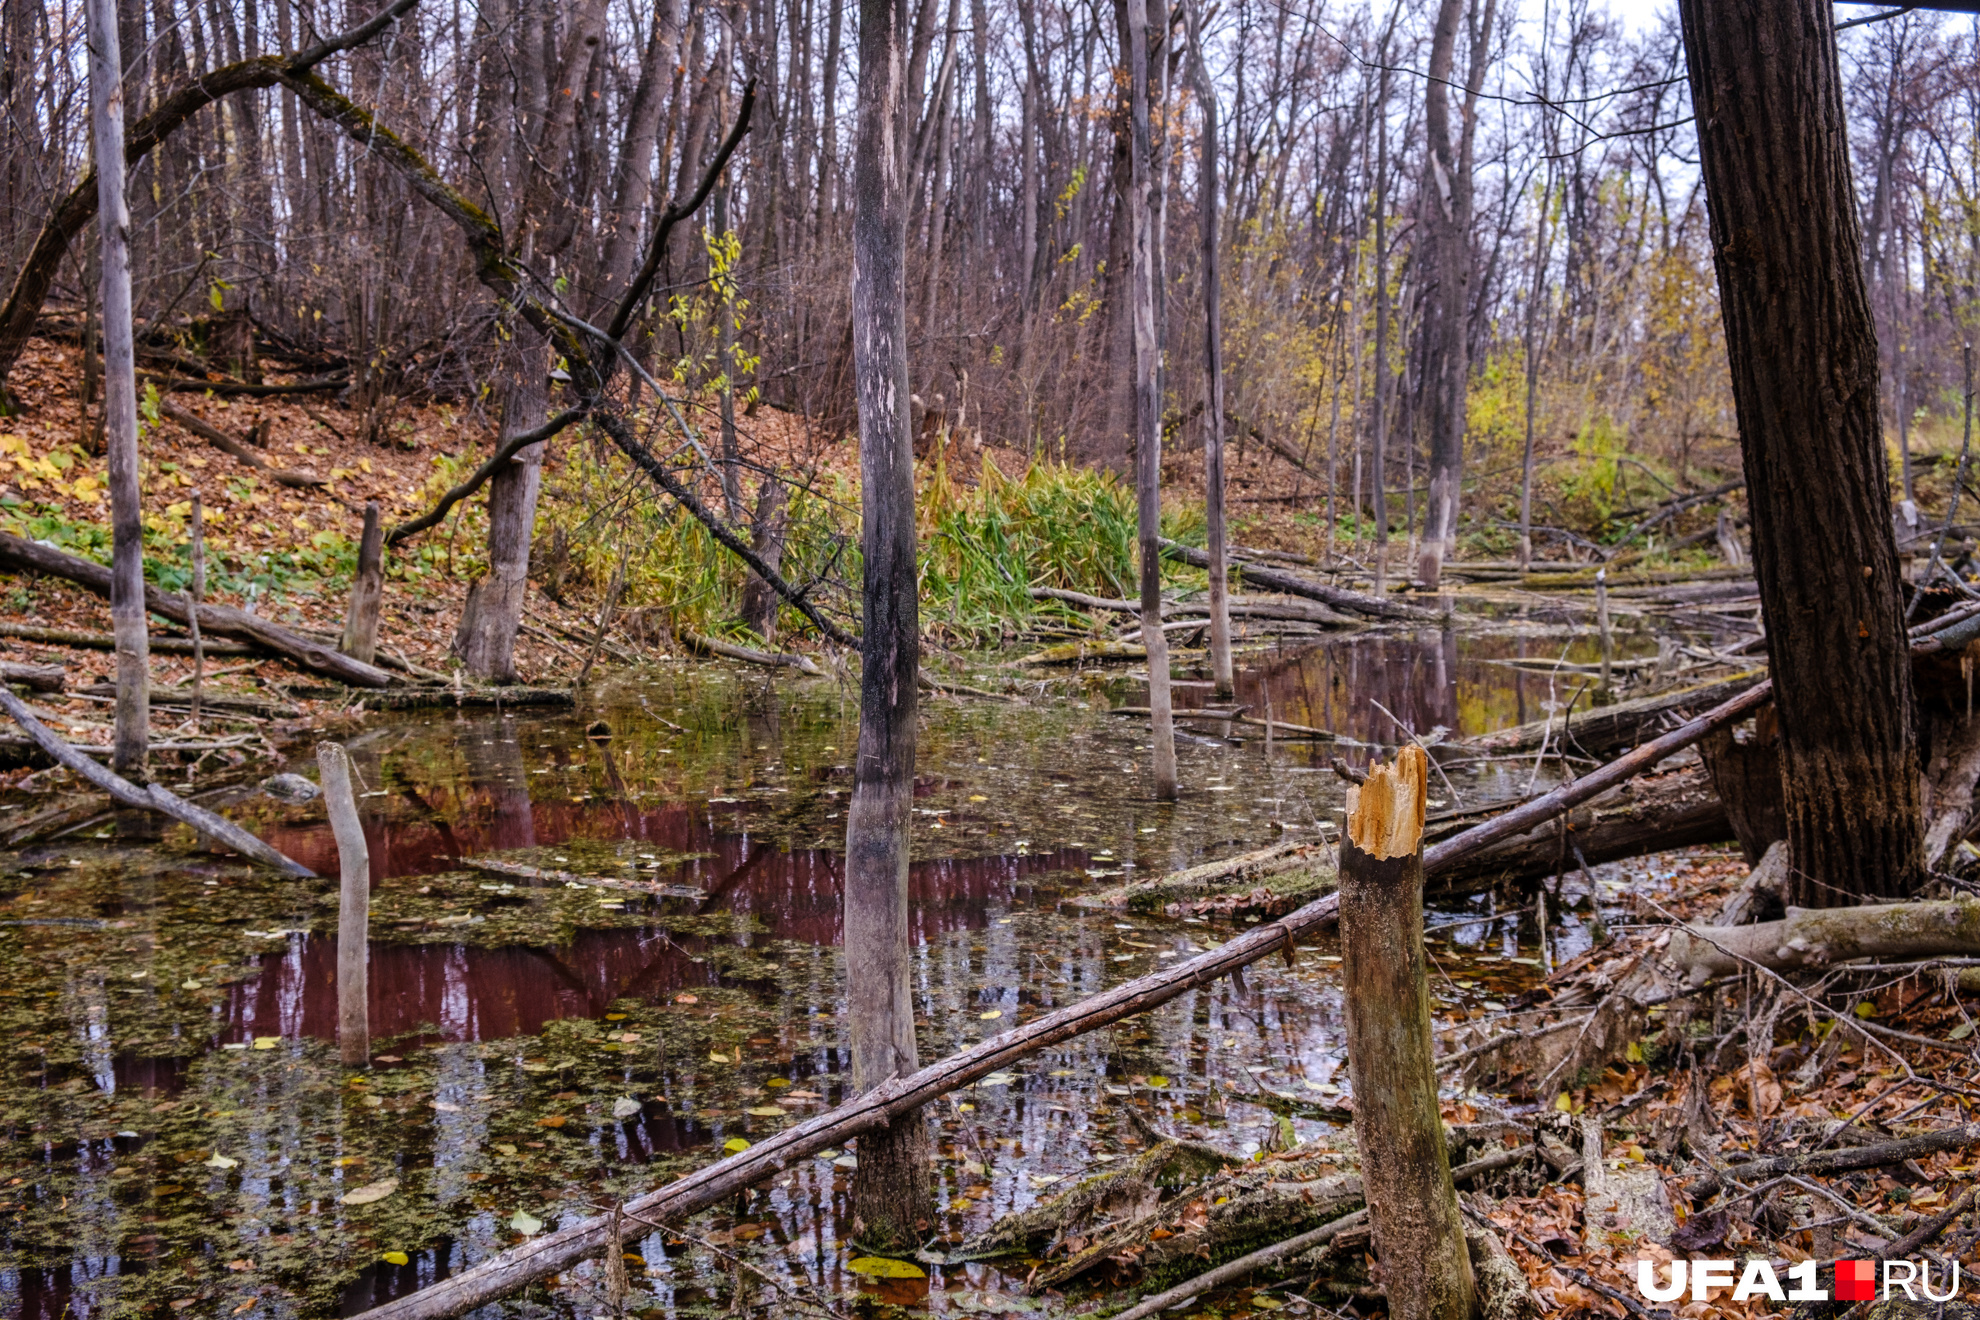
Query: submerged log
449	698
729	650
153	797
1271	579
1406	1169
19	555
1600	730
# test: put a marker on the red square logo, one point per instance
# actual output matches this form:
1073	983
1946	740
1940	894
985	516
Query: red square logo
1856	1280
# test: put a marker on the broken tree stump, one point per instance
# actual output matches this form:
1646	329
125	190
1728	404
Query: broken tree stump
1406	1170
367	591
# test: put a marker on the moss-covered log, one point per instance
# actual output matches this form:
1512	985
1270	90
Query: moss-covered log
1817	937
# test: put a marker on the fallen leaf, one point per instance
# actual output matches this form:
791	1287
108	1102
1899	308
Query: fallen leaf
625	1107
220	1161
716	1056
370	1192
765	1111
880	1267
993	1013
553	1121
267	1042
396	1258
686	999
734	1144
525	1223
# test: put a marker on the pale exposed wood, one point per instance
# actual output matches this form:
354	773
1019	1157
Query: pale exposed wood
1271	579
1820	937
353	907
1385	811
694	641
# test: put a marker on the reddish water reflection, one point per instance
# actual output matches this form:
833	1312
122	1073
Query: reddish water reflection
485	994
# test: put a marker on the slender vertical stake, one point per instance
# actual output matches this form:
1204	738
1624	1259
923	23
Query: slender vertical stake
1602	623
196	593
605	615
131	741
353	907
367	590
1405	1168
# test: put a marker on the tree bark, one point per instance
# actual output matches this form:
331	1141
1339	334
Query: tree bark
1803	350
132	738
1405	1168
486	639
1221	673
892	1184
367	589
1821	937
1444	242
1142	295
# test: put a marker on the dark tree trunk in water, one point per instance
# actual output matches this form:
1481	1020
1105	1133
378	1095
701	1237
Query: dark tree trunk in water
891	1186
1774	150
131	741
759	598
1144	289
486	640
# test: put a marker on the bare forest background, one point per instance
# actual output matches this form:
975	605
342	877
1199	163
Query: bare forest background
1590	302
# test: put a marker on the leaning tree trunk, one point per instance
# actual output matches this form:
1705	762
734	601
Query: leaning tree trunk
131	741
1445	246
891	1186
1774	150
486	639
1147	362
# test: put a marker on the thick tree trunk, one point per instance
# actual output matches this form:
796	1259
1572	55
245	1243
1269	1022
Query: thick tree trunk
1774	150
891	1187
1405	1168
486	639
768	527
131	741
1143	292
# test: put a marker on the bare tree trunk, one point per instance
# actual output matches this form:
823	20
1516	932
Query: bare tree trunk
1142	296
353	907
1532	378
1405	1168
1221	672
486	639
131	741
891	1185
759	598
1378	443
1803	350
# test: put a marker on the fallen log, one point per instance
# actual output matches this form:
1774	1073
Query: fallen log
19	555
1197	881
1819	937
167	698
155	797
462	698
550	875
37	678
804	664
1602	729
1270	579
95	641
1072	653
898	1097
1848	1160
220	440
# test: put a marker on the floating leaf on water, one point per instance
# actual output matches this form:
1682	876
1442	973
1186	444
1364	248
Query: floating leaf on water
997	1079
1264	1303
446	1108
536	1067
881	1267
992	1013
553	1121
615	1017
716	1056
625	1107
735	1144
686	999
1104	1158
1158	1081
846	1162
525	1223
1062	1072
765	1111
267	1042
372	1102
1046	1179
778	1083
370	1192
396	1258
220	1161
189	984
505	1147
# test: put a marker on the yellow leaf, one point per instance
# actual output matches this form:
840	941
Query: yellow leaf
365	464
716	1056
1565	1103
396	1258
1634	1053
1866	1009
880	1267
993	1013
734	1144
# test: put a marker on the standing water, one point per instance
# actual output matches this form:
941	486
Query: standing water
180	1139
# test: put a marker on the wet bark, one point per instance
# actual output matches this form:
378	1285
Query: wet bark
1803	350
891	1185
1405	1168
353	907
1143	291
367	590
131	740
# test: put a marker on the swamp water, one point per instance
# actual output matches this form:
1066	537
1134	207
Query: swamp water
177	1138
